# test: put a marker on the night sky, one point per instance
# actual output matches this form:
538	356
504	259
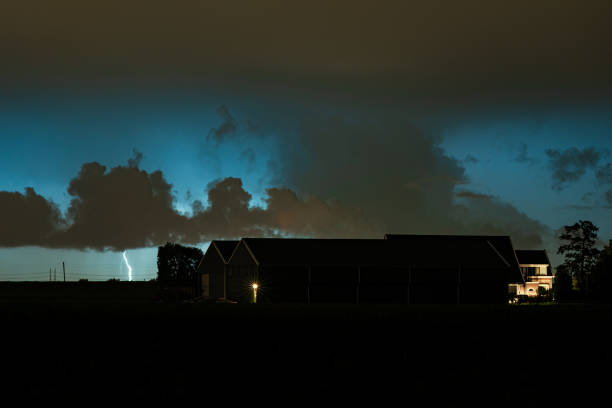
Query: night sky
124	126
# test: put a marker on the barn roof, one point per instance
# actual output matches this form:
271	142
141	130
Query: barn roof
225	248
501	244
376	252
535	257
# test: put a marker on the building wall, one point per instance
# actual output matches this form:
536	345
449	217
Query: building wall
533	282
352	284
211	272
241	272
284	284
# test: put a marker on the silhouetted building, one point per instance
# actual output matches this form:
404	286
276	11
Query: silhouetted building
211	269
536	271
397	269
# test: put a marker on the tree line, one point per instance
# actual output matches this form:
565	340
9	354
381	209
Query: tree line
177	271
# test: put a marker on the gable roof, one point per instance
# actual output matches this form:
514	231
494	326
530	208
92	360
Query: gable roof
375	252
535	257
500	244
225	248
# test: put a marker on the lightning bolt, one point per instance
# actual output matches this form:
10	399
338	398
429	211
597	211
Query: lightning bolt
128	265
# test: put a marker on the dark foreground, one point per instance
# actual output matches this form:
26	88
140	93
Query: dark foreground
211	353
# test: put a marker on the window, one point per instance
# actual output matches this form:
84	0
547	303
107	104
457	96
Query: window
533	270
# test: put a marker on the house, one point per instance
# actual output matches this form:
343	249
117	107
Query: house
536	271
211	269
397	269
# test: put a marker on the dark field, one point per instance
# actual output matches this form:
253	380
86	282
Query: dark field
65	348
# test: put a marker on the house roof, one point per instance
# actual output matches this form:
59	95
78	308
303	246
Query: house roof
375	252
225	248
534	257
501	244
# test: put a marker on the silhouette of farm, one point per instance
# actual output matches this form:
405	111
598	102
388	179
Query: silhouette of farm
117	340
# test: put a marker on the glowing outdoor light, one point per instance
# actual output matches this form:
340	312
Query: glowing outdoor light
255	286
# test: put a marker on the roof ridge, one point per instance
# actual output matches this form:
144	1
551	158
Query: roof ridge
498	254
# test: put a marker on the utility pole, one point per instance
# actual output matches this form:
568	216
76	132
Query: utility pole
64	267
49	274
54	274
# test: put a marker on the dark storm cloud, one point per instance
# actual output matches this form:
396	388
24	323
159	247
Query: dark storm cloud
472	195
604	174
523	156
227	128
587	197
121	208
229	215
577	207
470	159
608	197
429	47
135	161
312	216
570	165
398	177
385	167
27	219
125	207
488	215
604	177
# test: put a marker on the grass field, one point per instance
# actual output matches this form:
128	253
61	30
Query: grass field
426	355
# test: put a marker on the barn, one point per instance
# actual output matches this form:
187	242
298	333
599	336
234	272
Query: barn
398	269
211	269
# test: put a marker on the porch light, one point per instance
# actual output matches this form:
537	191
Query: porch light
255	286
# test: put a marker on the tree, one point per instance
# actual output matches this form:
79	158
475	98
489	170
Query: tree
580	252
543	294
562	287
177	264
